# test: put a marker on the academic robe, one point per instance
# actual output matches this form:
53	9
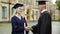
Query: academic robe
44	24
18	25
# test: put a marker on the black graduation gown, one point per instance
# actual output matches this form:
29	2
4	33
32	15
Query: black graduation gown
44	24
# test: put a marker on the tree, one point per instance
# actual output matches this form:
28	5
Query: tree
58	7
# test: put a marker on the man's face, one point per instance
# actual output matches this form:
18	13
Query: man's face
40	7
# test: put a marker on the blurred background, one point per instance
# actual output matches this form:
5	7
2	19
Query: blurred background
30	12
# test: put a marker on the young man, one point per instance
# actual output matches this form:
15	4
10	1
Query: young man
44	22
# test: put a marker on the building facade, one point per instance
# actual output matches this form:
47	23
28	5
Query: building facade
31	13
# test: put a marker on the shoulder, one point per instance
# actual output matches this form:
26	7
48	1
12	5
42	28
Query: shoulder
46	13
13	17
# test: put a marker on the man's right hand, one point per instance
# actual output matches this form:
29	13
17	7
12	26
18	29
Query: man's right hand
28	28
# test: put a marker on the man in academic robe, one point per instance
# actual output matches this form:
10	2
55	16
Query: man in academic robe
44	22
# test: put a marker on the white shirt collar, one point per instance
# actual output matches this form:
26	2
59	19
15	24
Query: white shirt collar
18	16
43	10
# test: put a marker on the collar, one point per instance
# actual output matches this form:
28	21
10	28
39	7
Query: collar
18	16
43	10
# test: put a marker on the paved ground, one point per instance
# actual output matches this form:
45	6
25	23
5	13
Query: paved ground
5	28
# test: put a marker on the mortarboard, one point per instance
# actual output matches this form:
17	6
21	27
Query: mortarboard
41	2
17	5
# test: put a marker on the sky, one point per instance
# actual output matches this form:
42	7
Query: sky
53	1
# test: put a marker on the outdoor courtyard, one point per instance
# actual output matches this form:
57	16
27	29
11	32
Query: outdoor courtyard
5	28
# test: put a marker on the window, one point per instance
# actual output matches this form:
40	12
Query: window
36	3
36	12
27	1
4	10
11	12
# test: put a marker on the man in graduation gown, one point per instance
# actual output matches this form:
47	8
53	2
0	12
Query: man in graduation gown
44	22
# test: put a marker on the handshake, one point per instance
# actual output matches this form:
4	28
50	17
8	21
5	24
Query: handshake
28	28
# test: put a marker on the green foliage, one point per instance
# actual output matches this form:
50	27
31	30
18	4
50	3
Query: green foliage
58	5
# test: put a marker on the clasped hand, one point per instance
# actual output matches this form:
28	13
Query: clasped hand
28	28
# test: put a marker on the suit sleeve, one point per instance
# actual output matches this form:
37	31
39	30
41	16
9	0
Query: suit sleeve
34	27
15	26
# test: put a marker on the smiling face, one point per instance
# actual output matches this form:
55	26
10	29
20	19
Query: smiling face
19	10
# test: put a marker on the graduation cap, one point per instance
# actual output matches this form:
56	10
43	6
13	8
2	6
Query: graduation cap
17	5
41	2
